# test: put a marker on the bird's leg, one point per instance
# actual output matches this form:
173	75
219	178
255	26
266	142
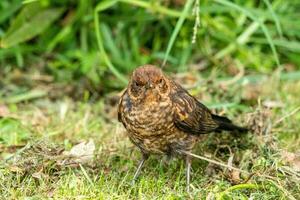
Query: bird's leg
138	171
188	171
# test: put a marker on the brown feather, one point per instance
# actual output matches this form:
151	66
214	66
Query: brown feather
162	117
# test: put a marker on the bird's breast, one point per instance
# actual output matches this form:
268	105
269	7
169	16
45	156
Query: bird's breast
150	126
150	118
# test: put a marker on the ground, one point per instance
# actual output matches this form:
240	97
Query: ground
36	132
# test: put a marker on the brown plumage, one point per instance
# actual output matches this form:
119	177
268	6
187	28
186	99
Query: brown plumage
163	118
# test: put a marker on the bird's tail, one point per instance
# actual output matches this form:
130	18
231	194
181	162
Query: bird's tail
225	124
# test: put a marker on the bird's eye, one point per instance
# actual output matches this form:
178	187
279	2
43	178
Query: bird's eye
137	84
161	81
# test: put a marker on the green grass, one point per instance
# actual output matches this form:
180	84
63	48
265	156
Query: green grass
103	41
63	63
61	124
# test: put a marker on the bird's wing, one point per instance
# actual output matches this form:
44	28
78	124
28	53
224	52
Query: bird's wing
190	115
120	106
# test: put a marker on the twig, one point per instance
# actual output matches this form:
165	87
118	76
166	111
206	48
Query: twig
288	170
226	165
27	146
215	162
283	190
286	116
269	178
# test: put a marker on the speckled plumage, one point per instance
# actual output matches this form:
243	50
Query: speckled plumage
163	118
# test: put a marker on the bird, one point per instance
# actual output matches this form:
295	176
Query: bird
161	117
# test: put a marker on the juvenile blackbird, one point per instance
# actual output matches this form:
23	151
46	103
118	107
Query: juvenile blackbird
163	118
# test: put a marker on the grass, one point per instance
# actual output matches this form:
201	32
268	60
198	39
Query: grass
60	82
49	127
103	41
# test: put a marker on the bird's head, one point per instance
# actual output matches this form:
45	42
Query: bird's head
148	82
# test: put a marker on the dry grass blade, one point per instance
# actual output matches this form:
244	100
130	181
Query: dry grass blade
286	116
214	162
283	190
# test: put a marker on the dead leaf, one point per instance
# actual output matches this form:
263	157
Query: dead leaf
259	121
230	160
4	111
82	152
15	169
37	175
273	104
235	176
293	159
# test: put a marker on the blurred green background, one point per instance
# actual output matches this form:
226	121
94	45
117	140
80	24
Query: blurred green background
98	43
